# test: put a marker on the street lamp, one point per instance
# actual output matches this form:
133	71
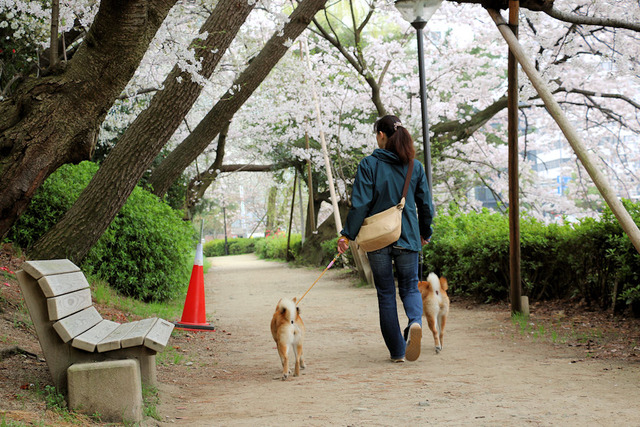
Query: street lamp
418	12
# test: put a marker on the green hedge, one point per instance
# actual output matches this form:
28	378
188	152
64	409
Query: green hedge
582	261
275	247
147	251
235	246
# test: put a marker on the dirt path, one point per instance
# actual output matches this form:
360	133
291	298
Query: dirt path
483	377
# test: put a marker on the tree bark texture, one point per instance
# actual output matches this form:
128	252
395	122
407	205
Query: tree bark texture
55	120
200	138
81	227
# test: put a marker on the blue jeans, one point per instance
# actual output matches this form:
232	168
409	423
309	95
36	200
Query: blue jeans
406	263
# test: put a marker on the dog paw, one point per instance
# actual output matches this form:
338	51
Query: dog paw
438	349
285	376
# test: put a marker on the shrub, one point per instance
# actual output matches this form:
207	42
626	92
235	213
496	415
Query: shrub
585	260
275	247
235	246
50	202
146	252
330	250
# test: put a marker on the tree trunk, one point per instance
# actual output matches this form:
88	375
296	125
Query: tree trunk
180	158
270	224
108	191
199	184
55	120
53	44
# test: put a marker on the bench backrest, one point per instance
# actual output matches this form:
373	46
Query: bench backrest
69	306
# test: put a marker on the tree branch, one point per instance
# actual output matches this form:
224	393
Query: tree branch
591	20
11	351
590	93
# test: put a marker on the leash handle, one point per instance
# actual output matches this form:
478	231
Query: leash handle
321	274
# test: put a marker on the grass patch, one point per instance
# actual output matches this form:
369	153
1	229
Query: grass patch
105	295
169	356
150	400
4	422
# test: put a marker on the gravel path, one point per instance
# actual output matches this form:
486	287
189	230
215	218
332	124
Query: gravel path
483	377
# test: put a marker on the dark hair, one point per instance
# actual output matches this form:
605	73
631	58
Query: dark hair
399	139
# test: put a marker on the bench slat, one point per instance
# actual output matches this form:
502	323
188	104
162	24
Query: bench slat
159	335
67	304
59	284
136	335
37	269
72	326
89	340
112	341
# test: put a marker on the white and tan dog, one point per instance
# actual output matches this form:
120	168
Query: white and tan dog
287	330
435	303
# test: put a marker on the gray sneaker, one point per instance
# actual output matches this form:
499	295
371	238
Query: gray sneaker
413	343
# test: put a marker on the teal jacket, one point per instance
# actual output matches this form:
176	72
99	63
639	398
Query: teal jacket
378	186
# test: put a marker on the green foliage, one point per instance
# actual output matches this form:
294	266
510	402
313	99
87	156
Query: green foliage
235	246
147	250
53	399
583	260
330	250
275	247
470	251
50	202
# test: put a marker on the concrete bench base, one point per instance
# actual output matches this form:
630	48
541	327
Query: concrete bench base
109	389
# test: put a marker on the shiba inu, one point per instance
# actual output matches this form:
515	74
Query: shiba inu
287	330
435	304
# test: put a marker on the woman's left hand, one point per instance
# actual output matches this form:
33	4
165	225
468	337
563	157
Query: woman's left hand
425	242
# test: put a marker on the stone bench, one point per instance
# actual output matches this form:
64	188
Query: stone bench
71	330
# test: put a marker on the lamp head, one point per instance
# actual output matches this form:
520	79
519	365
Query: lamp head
417	10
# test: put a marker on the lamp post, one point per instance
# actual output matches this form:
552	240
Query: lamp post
418	12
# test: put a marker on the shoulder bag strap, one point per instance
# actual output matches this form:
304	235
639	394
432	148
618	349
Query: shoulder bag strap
407	180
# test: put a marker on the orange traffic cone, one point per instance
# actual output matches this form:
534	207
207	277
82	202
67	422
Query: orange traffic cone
193	314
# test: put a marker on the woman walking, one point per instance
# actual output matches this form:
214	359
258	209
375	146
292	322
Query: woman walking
378	186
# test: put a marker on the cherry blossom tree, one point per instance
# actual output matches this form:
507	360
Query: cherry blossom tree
54	119
364	64
466	79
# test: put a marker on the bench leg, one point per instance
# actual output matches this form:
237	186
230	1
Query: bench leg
111	389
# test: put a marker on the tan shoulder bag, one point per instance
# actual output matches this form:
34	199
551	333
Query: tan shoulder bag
384	228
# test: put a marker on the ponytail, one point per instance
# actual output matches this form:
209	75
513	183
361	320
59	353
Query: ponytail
399	139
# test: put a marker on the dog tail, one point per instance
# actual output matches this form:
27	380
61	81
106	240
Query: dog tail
434	282
444	285
288	309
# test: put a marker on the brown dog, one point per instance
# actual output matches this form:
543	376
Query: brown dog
287	330
435	303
